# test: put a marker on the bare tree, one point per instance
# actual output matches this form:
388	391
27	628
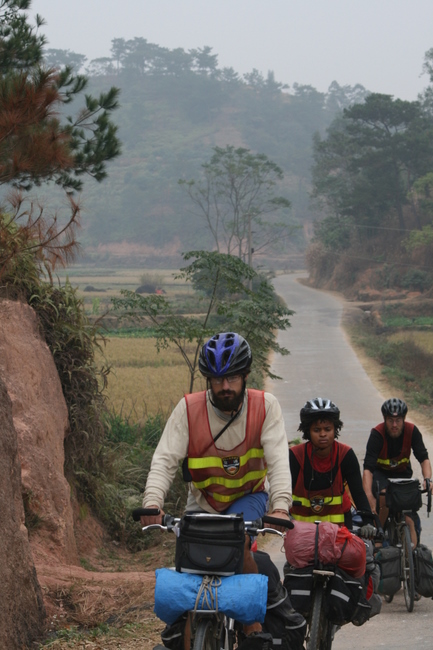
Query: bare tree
236	197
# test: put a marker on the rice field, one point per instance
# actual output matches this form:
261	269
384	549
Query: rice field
142	381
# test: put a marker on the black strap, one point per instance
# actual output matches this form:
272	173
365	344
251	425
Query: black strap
226	426
316	548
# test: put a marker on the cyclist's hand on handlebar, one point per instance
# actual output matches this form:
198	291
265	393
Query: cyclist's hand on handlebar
278	514
368	531
154	519
428	483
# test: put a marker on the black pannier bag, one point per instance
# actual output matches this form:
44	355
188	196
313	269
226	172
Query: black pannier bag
210	544
389	561
299	585
403	496
343	593
286	626
423	570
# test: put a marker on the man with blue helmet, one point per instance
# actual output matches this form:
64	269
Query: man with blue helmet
234	439
234	444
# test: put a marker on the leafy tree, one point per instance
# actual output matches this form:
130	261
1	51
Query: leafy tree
236	193
219	280
36	146
20	44
205	62
371	157
54	58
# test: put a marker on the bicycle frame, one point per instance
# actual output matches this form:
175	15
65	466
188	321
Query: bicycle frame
399	536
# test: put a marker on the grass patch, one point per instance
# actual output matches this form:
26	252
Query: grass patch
423	340
405	361
418	322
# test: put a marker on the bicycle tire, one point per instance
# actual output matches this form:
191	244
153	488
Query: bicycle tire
407	568
316	618
327	636
204	638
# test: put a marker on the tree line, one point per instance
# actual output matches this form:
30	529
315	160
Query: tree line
372	178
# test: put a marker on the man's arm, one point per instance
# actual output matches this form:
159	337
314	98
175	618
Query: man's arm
352	474
172	447
275	445
427	473
374	447
367	484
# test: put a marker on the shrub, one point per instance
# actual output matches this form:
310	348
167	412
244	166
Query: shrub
72	339
417	280
125	462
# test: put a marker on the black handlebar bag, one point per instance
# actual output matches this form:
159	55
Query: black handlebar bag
210	544
403	496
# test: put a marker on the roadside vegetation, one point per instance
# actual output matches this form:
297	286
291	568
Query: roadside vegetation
400	338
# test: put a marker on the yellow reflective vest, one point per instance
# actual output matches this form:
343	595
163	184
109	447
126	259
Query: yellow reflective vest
223	476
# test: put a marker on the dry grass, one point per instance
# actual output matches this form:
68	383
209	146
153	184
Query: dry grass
423	340
142	381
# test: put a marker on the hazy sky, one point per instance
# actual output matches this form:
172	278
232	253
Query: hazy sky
377	43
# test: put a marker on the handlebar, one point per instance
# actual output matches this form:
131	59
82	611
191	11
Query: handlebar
429	495
251	527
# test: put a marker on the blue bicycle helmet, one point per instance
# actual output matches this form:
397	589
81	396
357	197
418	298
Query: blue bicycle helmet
225	354
394	407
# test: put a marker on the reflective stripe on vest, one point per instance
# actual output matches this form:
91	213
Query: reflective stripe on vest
216	461
334	519
333	501
227	499
222	475
394	463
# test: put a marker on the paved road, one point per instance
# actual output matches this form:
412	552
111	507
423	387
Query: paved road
322	363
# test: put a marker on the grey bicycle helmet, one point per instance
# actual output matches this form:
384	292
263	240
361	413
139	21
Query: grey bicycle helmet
394	407
225	354
319	409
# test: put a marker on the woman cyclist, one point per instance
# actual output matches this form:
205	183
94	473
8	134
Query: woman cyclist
326	476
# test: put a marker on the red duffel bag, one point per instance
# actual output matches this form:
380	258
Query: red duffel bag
336	545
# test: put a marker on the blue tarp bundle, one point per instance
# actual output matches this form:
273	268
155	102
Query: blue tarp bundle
242	597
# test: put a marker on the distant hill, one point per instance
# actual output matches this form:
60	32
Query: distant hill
176	106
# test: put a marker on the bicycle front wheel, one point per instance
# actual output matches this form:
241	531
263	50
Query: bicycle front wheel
407	568
316	619
205	636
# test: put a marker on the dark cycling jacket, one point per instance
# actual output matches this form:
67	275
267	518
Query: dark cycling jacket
223	476
324	504
398	463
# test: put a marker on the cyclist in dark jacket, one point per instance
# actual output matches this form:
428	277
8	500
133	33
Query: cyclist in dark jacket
388	456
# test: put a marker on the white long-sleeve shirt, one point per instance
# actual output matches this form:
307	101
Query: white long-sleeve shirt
173	447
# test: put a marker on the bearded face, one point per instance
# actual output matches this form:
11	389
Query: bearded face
228	393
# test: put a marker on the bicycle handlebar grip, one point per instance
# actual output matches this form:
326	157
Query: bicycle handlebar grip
137	513
276	521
